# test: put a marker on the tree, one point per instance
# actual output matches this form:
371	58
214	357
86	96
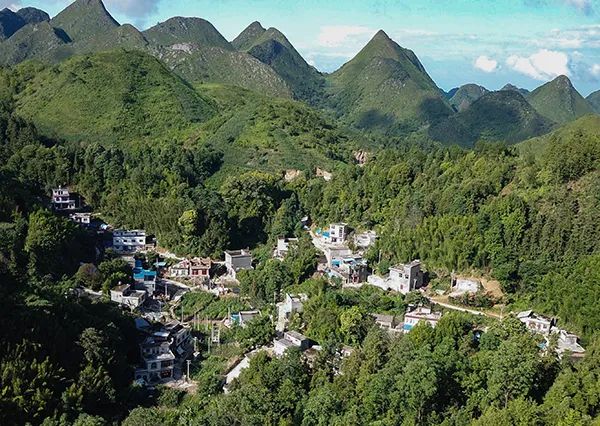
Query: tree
354	324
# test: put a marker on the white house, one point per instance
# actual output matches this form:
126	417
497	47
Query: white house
365	240
290	306
291	339
237	260
157	361
421	313
126	296
338	233
535	322
83	219
402	278
129	241
61	199
283	246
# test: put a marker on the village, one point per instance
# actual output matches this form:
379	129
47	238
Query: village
169	339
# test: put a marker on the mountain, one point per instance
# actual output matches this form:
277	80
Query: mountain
559	101
466	95
451	93
111	96
594	100
496	116
514	88
195	50
36	41
271	47
247	38
84	19
181	30
385	88
10	23
31	15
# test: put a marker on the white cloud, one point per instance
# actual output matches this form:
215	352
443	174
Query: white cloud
595	70
13	5
339	35
133	8
584	6
542	65
486	64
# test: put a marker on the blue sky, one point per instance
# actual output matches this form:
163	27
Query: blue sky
525	42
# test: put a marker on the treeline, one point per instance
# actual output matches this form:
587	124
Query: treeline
447	376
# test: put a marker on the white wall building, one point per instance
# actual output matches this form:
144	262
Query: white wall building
421	313
126	296
402	278
125	241
283	246
61	199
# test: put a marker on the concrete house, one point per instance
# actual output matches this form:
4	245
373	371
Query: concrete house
82	219
365	240
237	260
291	339
195	268
157	360
125	295
290	306
352	270
242	318
338	233
401	278
535	322
415	315
389	323
62	199
129	241
283	246
145	279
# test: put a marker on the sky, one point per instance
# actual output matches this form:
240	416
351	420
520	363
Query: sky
488	42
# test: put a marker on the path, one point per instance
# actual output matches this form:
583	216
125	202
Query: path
437	301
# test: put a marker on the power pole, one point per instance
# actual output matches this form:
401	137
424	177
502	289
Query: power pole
188	370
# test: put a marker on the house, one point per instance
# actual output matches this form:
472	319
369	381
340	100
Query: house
290	306
157	360
62	200
461	286
144	279
401	278
415	315
242	318
338	233
291	339
390	323
339	252
351	270
125	241
196	268
83	219
569	343
237	260
125	295
283	246
365	240
327	176
179	336
535	322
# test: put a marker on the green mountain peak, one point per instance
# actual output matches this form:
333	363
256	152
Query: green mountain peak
179	30
559	101
246	39
84	19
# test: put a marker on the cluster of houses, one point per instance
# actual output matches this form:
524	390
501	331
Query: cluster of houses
565	342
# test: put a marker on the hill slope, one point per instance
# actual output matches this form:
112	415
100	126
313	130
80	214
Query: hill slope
111	96
31	15
586	126
466	95
497	116
271	47
559	101
36	41
194	49
385	87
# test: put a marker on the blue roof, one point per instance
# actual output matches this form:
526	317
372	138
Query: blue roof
407	326
143	274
